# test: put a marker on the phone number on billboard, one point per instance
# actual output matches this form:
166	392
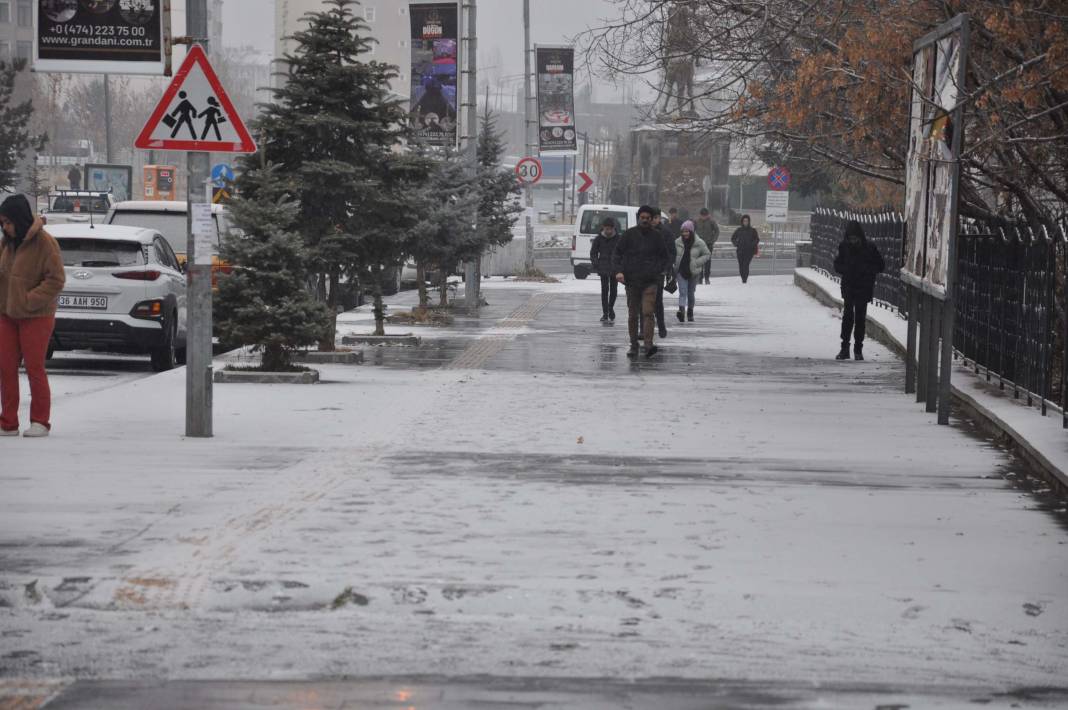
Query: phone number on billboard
97	30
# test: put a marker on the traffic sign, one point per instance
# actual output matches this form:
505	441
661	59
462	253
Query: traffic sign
222	175
587	182
779	178
195	114
528	170
777	207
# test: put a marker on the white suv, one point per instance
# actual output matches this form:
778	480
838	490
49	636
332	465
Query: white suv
125	293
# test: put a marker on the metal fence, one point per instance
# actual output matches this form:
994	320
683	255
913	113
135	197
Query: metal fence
1010	296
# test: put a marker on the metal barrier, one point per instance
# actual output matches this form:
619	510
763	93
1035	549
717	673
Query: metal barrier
1010	296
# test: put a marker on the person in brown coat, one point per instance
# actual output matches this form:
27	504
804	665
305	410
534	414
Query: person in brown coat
31	279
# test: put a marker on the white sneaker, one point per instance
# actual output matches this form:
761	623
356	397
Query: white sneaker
6	432
36	430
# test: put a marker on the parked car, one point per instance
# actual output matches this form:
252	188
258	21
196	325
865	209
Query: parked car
76	206
125	293
168	217
587	226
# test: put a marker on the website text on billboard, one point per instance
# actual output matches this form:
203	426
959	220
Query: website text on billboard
127	36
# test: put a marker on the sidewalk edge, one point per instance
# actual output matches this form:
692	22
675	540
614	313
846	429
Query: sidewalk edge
994	424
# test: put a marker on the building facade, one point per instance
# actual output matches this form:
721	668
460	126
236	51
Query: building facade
16	29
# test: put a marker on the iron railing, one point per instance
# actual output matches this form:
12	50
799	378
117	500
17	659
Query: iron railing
1011	323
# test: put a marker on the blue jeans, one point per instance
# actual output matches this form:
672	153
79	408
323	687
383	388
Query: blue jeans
687	289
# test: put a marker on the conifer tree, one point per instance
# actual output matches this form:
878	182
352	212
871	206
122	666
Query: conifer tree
264	302
333	127
16	136
499	189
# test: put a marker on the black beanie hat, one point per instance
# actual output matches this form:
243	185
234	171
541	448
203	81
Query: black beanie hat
853	228
17	209
648	209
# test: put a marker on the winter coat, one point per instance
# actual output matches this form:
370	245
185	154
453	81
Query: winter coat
31	274
707	230
669	241
745	240
699	255
858	264
601	252
641	256
674	226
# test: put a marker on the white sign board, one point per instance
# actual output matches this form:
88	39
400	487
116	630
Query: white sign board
777	207
203	234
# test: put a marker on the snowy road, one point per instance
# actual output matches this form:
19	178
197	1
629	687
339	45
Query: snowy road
514	499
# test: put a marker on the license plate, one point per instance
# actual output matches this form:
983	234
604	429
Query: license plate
95	303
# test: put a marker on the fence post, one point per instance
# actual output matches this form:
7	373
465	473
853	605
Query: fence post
910	347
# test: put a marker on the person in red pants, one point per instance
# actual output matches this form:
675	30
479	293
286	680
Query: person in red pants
31	279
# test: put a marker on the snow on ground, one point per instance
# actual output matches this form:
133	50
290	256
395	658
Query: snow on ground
756	511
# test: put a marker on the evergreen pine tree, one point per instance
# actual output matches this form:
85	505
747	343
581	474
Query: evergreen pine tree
264	301
15	131
499	189
332	128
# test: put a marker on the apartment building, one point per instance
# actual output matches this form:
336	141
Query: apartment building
16	29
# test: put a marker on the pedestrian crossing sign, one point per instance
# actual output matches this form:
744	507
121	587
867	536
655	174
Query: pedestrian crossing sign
195	114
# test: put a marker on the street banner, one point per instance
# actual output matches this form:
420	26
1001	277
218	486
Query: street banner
116	179
555	67
102	36
435	58
933	161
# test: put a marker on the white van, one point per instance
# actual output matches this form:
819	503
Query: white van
588	223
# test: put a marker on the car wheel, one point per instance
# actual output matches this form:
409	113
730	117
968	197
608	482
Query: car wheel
166	355
581	272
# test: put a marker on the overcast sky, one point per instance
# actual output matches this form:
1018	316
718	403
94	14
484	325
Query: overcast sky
500	28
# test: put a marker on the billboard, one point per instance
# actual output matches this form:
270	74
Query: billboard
435	62
116	179
932	166
102	36
555	68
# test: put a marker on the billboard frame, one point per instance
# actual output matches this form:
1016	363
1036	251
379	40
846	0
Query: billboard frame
460	74
542	150
127	170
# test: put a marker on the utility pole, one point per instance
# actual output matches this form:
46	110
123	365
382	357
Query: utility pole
107	126
563	192
527	123
198	370
472	266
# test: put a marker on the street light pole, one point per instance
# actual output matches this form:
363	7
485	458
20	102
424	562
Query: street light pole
107	125
528	120
471	267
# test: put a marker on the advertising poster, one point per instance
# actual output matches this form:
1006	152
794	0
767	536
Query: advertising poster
555	67
109	178
932	163
101	36
435	63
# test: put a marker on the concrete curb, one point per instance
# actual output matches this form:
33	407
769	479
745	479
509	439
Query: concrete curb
339	357
380	340
307	377
989	420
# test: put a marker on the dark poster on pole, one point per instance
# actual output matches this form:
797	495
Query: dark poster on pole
435	58
101	36
555	67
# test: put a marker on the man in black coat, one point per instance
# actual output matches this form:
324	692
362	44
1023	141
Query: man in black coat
669	242
859	262
639	262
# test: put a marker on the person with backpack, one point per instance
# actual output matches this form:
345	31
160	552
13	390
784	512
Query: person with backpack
859	262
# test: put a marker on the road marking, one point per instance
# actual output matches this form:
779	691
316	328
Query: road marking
483	350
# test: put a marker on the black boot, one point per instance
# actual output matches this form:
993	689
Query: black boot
612	314
650	351
689	314
633	352
680	316
843	354
604	317
858	352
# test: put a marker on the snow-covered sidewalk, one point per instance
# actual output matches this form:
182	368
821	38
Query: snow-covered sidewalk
744	507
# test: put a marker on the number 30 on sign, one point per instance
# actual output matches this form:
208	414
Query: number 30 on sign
528	170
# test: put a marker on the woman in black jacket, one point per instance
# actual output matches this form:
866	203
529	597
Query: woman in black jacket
745	240
859	262
604	245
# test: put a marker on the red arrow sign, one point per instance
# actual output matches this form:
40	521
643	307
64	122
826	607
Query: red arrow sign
587	182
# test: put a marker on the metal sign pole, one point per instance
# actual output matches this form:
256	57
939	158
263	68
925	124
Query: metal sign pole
471	276
531	147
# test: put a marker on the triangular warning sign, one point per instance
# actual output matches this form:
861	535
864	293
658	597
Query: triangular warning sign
195	113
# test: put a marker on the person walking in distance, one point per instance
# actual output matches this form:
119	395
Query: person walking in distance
707	230
691	256
669	242
74	177
604	245
639	262
674	223
31	279
859	262
746	240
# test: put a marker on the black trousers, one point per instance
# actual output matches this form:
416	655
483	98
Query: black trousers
854	320
609	289
706	274
744	259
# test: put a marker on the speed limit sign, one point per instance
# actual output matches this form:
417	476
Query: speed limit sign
528	170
